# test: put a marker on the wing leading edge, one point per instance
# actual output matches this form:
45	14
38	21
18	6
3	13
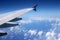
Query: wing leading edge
13	15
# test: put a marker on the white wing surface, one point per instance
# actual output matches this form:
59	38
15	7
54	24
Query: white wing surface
11	15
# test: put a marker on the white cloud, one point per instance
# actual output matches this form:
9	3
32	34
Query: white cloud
50	36
53	33
58	38
32	32
56	24
39	18
14	28
11	29
40	33
58	35
25	21
44	18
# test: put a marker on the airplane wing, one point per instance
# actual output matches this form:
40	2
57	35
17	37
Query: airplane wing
9	19
13	15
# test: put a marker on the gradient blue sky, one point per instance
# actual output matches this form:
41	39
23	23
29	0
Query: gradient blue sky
46	8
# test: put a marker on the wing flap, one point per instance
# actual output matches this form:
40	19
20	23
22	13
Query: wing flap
2	33
8	24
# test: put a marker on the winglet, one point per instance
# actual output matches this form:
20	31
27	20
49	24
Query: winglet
34	7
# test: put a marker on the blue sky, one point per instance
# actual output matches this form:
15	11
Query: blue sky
46	8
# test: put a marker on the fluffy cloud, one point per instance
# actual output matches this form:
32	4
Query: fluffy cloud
54	33
11	29
32	32
59	36
33	35
35	32
50	36
40	33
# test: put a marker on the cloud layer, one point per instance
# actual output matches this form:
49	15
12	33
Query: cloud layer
20	33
